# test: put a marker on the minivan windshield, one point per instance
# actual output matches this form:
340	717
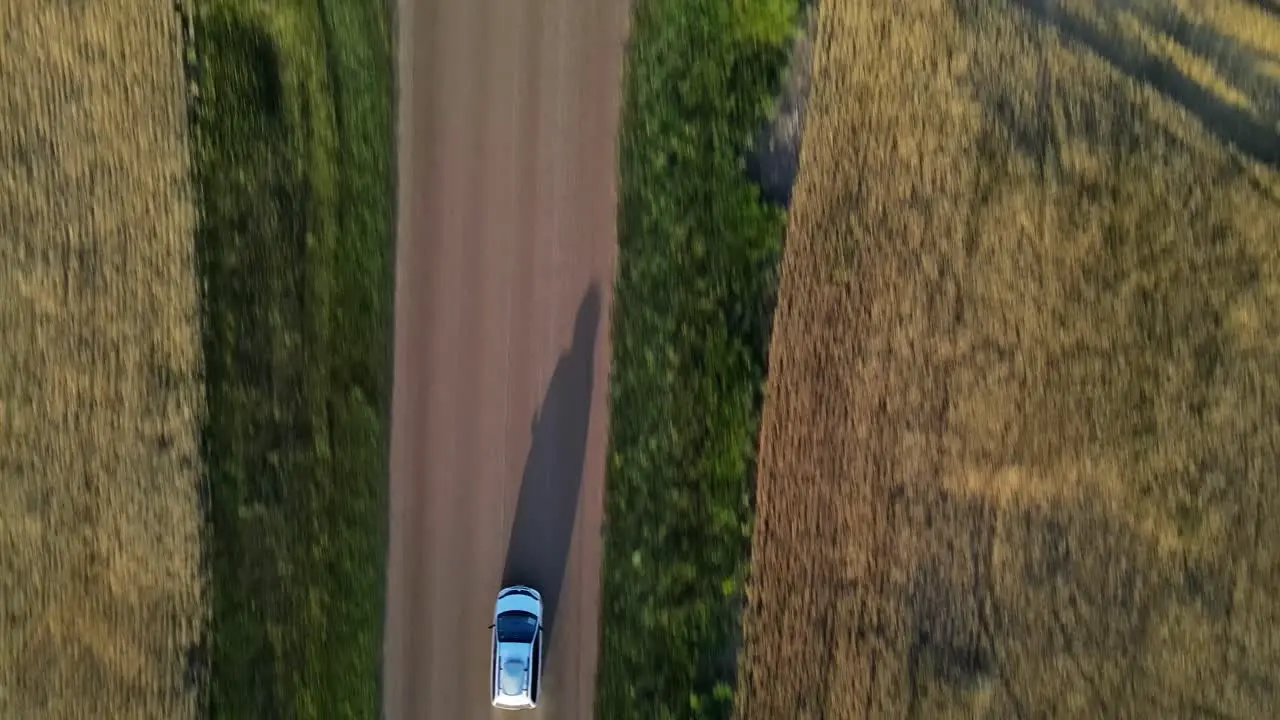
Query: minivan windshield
516	627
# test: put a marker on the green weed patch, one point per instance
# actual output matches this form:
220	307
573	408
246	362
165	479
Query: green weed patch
293	139
694	298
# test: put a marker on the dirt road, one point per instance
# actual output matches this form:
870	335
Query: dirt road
505	256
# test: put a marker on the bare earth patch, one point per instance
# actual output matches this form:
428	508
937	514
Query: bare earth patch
1019	447
774	159
100	584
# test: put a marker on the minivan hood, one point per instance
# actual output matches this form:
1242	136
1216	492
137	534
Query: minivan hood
519	602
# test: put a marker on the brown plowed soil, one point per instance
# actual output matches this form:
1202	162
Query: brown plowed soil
1020	443
100	592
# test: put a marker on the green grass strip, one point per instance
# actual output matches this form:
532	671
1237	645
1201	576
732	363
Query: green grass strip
694	299
293	139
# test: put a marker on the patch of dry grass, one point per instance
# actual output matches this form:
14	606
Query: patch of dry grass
1019	445
100	588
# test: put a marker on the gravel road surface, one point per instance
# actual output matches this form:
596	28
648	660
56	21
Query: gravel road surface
506	245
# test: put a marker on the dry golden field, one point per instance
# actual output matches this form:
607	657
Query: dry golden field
100	583
1020	446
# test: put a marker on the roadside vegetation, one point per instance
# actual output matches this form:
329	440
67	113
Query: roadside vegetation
694	297
293	137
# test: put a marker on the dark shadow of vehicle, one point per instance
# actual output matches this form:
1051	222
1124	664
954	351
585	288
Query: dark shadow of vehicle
538	552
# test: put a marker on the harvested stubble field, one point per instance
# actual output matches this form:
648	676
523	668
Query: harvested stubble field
1019	446
100	585
127	407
